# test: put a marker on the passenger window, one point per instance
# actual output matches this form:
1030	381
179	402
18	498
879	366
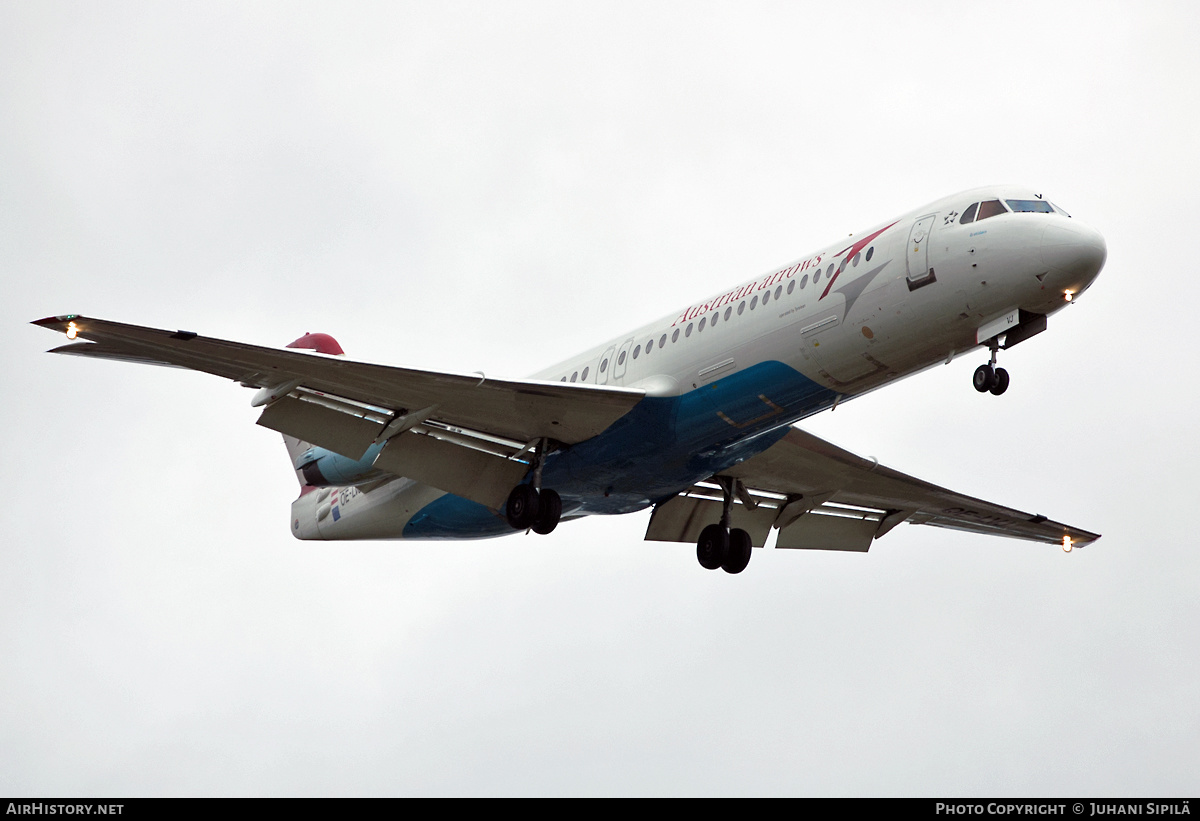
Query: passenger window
603	365
688	331
791	286
703	322
741	307
662	342
754	303
990	208
803	282
728	311
969	214
778	291
621	358
637	351
574	376
870	253
675	336
766	297
583	376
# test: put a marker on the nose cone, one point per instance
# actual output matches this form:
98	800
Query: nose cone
1073	249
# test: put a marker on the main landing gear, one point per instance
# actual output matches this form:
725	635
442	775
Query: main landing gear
718	546
533	507
989	378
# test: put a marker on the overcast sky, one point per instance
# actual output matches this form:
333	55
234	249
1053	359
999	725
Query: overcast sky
494	186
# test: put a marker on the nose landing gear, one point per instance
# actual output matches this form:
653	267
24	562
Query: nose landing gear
989	378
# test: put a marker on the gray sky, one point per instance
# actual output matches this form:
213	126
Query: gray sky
491	187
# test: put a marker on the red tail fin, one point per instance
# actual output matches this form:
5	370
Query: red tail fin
321	343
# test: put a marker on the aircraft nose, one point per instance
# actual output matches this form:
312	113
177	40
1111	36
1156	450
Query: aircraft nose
1075	249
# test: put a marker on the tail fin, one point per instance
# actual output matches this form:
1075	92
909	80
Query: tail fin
321	343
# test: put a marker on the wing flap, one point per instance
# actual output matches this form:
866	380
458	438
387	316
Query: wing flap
683	517
816	530
478	468
478	475
321	425
516	409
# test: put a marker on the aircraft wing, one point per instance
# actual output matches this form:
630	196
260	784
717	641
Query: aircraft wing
450	427
822	497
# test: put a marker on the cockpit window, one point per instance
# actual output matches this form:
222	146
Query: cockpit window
1060	210
990	208
1039	206
969	214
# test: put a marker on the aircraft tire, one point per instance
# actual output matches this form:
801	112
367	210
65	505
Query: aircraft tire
712	547
1001	382
522	508
984	378
738	555
549	511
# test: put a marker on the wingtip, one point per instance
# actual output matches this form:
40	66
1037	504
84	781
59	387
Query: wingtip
55	322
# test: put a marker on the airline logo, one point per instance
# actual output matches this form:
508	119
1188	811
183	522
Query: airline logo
771	280
850	252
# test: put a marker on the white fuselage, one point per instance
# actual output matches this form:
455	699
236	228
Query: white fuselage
848	318
981	269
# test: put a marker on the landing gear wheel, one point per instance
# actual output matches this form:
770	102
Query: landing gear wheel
984	378
738	555
549	511
523	507
712	547
1001	382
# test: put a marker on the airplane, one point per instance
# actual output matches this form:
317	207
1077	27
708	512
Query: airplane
692	415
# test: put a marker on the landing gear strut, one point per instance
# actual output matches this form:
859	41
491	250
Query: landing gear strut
989	378
718	546
533	507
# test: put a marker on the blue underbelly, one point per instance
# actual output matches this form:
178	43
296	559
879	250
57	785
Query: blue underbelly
660	447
